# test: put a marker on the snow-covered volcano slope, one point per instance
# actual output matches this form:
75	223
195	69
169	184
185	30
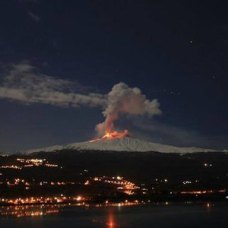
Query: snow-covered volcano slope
125	144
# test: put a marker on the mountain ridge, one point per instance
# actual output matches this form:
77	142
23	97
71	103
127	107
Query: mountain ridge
126	144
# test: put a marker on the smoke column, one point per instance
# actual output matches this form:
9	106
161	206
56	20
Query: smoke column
125	100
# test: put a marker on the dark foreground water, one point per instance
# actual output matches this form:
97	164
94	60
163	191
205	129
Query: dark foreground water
161	215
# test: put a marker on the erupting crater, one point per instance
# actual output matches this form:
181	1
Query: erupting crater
112	135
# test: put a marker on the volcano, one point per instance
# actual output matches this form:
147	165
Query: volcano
121	142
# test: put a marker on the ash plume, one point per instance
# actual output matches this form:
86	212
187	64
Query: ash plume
124	100
25	84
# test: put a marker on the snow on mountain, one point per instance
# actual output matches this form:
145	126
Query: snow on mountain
124	144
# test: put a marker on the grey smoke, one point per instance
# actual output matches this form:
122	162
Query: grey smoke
24	83
123	99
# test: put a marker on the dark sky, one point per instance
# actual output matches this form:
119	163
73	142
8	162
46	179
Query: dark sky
175	51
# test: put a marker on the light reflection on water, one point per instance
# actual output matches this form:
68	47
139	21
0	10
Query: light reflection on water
44	210
28	210
49	209
111	221
158	215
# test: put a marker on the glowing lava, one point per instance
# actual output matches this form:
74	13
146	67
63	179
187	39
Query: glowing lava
113	135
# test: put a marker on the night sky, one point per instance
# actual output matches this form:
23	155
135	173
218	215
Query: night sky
174	51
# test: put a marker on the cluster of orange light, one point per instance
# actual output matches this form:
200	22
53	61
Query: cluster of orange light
41	200
10	167
115	134
122	185
36	162
42	210
112	135
27	163
61	183
17	181
199	192
28	211
119	204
